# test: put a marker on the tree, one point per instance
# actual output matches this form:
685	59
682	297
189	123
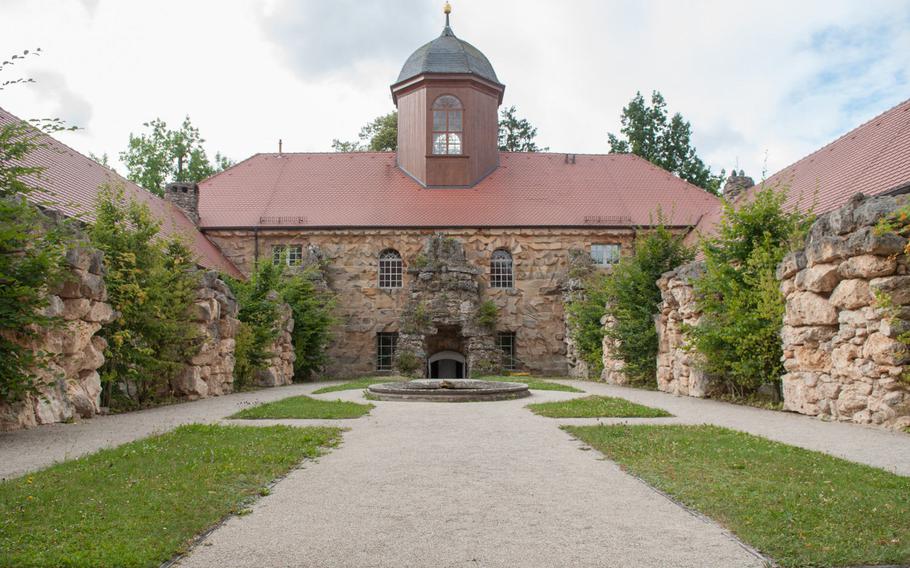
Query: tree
31	253
516	134
646	132
738	336
379	135
161	156
151	282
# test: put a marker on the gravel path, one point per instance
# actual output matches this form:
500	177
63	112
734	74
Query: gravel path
472	484
27	450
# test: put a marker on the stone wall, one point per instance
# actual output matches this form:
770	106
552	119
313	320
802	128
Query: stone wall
613	371
69	387
211	371
533	309
676	371
841	355
280	370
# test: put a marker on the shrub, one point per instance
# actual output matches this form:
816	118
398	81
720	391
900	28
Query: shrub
151	282
258	315
487	314
407	362
585	309
632	299
313	309
31	255
738	337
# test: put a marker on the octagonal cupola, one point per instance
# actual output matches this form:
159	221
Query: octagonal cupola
448	99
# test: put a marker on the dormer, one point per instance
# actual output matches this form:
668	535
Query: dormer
448	100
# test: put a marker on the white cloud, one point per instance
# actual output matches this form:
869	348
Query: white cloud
776	77
70	106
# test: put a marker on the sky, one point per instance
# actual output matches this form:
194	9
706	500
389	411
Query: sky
763	83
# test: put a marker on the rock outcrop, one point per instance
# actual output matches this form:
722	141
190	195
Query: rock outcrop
280	370
841	353
69	386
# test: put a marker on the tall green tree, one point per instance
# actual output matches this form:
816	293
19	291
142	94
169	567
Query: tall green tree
151	281
516	134
31	252
647	132
160	156
378	135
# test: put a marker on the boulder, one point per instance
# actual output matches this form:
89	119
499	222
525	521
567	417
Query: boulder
818	278
808	308
867	266
851	294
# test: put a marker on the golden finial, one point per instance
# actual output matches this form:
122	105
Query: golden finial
447	9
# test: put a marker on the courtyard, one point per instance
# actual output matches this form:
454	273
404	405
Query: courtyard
469	484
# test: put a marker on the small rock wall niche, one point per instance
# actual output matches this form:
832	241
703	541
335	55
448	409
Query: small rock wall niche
676	370
70	386
841	354
441	314
211	371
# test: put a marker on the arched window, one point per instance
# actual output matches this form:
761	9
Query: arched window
447	127
389	269
501	269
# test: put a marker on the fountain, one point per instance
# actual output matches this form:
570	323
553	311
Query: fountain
448	390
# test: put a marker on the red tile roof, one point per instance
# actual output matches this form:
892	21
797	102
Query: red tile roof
873	158
368	190
70	181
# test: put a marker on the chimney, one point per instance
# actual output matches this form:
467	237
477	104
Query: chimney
736	184
184	195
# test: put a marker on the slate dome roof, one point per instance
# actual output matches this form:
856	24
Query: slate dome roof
447	54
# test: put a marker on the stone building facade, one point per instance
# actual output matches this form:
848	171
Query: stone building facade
532	308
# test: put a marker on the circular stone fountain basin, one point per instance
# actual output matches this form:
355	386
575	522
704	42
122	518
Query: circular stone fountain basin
449	390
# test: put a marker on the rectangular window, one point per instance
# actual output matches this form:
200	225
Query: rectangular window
292	255
605	254
505	341
385	350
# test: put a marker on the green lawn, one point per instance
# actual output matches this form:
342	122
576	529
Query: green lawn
358	384
305	407
534	383
801	508
141	503
596	407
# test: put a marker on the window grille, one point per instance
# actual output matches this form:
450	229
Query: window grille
501	269
605	254
292	255
447	125
390	269
386	343
505	342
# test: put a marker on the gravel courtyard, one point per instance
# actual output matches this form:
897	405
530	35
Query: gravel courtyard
472	484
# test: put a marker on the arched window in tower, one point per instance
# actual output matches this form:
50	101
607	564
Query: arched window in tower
501	269
389	269
447	125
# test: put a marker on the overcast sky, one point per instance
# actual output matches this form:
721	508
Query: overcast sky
763	83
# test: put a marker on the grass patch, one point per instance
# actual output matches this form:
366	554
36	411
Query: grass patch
534	383
802	508
305	407
358	384
141	503
596	407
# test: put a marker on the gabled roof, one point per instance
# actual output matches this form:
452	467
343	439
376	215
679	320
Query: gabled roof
447	54
369	190
873	159
69	184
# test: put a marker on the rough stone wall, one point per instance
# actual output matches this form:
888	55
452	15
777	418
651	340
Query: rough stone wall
280	370
578	266
676	372
841	355
211	371
533	308
441	314
70	386
613	371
